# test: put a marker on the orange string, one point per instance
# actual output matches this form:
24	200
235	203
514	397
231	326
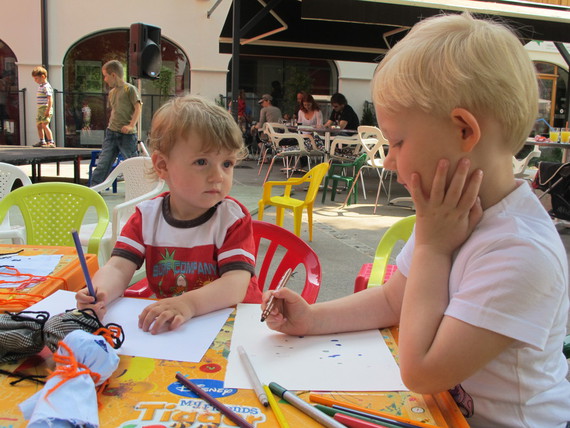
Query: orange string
69	368
109	333
19	299
32	279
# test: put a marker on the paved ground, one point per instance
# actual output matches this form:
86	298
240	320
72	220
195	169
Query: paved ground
344	239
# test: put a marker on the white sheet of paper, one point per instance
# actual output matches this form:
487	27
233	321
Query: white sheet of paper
40	265
359	361
188	343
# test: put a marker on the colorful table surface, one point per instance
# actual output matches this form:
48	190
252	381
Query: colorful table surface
66	276
143	393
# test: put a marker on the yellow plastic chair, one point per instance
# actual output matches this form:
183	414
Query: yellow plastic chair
314	178
374	274
52	210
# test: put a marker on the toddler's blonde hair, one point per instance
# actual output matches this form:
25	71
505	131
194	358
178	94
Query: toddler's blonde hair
450	61
180	116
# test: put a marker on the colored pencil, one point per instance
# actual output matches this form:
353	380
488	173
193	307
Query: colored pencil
304	407
271	301
382	419
352	422
331	402
331	412
233	416
276	409
257	386
83	264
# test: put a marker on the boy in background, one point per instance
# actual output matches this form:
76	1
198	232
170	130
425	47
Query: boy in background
121	132
44	102
197	241
481	290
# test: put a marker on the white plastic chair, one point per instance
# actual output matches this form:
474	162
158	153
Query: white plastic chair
277	132
9	174
373	143
139	186
520	165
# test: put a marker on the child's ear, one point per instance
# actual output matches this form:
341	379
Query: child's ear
468	126
159	163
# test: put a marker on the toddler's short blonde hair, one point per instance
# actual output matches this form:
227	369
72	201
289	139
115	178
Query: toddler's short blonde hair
180	116
450	61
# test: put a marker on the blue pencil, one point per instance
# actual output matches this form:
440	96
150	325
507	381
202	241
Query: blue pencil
83	264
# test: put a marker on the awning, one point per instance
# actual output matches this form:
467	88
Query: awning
363	30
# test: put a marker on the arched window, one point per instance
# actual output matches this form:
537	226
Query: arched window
85	93
9	97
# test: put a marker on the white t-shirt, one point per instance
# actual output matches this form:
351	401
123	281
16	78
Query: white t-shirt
511	277
316	120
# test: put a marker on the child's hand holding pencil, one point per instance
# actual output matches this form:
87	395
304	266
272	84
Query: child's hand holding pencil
291	314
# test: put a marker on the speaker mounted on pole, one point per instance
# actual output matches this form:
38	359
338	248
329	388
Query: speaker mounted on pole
145	59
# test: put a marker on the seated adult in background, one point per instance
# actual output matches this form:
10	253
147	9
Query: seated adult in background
342	115
268	113
310	115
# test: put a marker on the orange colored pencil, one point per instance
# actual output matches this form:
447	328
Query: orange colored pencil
331	402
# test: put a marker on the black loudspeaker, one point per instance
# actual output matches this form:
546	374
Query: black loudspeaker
145	59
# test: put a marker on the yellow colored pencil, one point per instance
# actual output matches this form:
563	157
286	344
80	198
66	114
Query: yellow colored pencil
275	407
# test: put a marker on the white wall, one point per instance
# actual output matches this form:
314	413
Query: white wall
184	22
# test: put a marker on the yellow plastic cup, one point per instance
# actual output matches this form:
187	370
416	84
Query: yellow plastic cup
554	135
565	135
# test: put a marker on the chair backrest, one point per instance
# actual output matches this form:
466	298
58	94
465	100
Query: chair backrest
399	231
297	252
315	176
9	174
372	141
139	185
52	210
520	165
277	132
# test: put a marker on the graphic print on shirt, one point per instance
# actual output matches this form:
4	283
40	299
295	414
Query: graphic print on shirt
174	276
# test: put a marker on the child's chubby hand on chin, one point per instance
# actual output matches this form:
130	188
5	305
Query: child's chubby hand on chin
448	215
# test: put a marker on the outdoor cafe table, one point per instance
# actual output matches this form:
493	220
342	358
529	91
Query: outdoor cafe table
67	275
563	146
143	392
35	156
326	132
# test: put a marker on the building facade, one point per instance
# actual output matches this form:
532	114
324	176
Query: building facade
73	38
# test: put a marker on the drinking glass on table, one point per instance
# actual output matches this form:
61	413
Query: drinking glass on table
565	135
554	135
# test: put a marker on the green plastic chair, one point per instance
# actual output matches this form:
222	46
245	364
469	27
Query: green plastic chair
52	210
374	274
335	174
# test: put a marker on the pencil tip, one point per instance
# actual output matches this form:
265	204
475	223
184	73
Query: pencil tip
266	404
262	319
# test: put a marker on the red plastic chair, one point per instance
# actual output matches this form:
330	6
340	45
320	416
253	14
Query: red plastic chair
297	252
